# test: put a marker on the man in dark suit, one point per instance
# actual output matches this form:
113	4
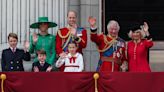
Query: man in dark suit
12	58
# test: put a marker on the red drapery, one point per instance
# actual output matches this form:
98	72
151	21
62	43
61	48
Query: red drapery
83	82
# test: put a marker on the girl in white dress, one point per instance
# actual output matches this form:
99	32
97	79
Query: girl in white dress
73	61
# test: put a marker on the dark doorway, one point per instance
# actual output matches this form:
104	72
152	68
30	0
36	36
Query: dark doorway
130	11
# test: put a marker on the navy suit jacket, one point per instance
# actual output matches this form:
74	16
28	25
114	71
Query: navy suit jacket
41	68
14	61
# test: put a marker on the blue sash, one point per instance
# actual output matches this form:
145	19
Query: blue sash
79	31
110	51
107	53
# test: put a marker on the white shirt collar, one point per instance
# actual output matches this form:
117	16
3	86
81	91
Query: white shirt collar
41	62
76	55
13	48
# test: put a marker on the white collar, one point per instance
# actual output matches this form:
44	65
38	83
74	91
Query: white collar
41	62
13	48
76	55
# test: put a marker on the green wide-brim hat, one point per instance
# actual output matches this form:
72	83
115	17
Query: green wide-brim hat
43	20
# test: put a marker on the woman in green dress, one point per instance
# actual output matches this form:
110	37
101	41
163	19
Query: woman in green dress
43	40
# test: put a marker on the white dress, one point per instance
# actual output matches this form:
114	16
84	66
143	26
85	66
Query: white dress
71	66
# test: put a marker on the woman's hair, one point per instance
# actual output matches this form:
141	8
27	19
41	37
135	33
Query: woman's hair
141	32
13	35
137	28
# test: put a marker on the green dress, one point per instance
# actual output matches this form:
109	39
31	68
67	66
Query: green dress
47	43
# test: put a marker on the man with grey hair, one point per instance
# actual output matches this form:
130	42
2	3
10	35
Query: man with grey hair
110	46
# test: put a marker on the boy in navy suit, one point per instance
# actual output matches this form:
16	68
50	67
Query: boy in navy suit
12	58
41	65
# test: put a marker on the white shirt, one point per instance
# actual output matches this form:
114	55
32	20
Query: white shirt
71	66
42	63
13	49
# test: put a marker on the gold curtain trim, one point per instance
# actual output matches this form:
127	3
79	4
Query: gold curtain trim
96	76
3	78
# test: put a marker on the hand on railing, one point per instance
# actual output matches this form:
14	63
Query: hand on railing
36	69
49	69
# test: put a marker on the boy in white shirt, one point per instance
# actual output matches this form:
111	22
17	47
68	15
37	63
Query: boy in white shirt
73	61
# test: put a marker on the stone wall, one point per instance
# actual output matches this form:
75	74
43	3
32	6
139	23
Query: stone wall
86	8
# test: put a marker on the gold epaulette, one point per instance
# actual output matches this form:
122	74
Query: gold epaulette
108	44
63	36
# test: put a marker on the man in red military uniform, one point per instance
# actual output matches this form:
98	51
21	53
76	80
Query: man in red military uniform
70	33
110	46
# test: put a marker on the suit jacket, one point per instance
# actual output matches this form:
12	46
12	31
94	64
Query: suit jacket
13	61
40	67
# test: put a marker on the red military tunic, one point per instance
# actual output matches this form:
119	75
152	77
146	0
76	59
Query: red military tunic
137	56
107	55
64	35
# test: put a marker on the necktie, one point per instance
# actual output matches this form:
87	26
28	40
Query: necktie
72	59
42	64
13	50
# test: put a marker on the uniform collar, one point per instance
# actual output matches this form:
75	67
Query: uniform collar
112	37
